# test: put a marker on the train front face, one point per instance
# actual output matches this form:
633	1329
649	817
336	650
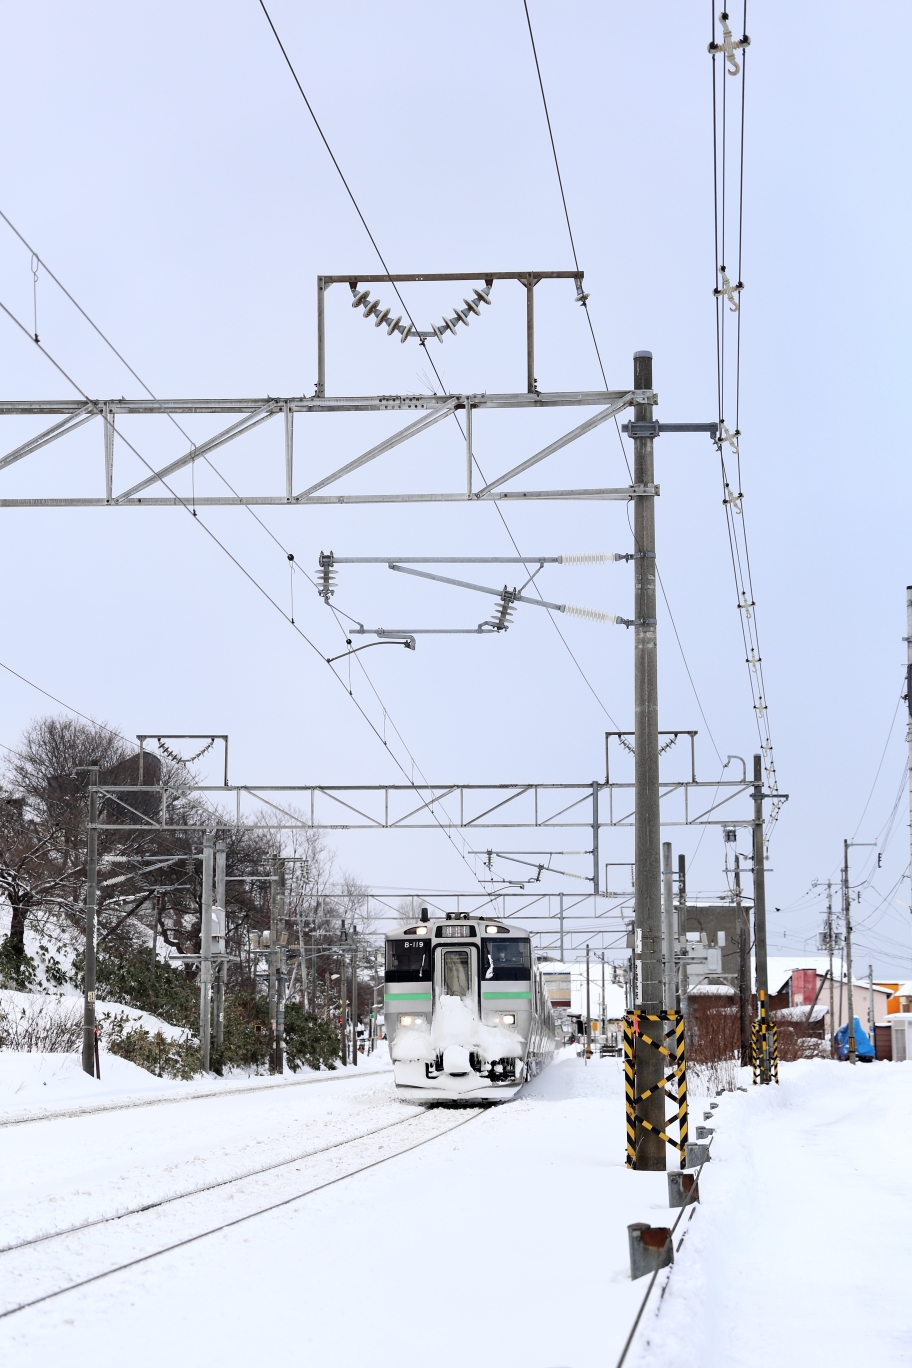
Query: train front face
460	1003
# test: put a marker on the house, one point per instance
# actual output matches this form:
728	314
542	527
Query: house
806	985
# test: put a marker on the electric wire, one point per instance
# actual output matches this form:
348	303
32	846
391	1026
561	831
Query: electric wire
585	304
382	260
736	522
245	572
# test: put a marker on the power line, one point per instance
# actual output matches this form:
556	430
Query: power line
382	260
244	571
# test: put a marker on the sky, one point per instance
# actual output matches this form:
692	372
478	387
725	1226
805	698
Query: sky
162	162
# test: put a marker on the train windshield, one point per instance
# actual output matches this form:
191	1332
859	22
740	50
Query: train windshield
407	961
456	973
507	960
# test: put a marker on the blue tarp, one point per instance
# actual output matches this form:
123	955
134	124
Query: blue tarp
863	1047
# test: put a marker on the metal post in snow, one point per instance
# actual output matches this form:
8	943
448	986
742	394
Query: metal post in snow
88	1012
668	928
561	928
682	928
206	949
871	1004
343	1027
602	1014
648	977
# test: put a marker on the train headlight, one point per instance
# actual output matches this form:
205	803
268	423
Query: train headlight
418	1020
508	1019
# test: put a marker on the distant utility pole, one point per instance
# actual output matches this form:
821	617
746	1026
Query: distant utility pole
909	722
206	949
561	928
343	1028
602	1014
871	1004
221	972
88	1014
648	977
588	1011
744	964
847	910
762	971
668	928
355	996
830	945
682	928
273	961
280	969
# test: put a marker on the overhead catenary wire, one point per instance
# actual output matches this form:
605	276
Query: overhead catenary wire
584	301
248	575
382	260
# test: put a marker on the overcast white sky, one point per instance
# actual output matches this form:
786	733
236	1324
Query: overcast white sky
160	159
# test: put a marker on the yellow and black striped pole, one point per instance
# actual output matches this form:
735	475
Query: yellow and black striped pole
629	1089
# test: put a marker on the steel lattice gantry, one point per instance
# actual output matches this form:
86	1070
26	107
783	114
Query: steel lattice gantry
152	489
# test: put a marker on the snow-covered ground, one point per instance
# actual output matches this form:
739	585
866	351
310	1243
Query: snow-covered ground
501	1243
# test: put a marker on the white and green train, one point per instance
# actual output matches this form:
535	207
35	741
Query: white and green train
467	1015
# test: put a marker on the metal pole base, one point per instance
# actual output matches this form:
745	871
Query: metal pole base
683	1189
650	1248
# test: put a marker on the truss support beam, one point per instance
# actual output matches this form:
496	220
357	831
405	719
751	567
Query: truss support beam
204	448
82	413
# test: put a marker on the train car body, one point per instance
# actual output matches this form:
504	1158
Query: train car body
467	1015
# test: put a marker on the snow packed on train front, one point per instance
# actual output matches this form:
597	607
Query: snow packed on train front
467	1015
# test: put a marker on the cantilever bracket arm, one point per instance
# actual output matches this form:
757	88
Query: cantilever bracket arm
408	643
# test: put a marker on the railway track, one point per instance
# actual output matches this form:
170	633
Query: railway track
200	1094
430	1125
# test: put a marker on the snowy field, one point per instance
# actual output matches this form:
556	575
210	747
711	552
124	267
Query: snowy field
495	1238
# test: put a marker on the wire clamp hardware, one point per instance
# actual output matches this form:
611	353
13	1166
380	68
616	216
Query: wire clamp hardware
728	46
729	290
732	439
635	622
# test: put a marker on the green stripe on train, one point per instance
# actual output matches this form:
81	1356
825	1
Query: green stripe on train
507	995
401	997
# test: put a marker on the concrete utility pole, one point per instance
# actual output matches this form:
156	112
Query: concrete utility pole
847	909
206	949
762	971
602	1013
343	1028
830	944
561	928
648	979
273	961
588	1012
221	973
280	968
682	928
88	1014
744	965
668	927
354	996
871	1004
909	723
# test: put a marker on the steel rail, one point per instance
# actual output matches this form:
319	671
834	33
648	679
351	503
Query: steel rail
228	1225
202	1187
199	1095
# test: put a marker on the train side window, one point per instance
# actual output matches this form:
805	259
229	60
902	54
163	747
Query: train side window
506	960
456	973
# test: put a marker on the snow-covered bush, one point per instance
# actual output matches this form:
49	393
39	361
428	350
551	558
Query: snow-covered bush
44	1024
